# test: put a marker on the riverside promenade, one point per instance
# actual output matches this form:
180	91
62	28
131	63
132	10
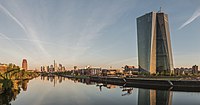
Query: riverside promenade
174	84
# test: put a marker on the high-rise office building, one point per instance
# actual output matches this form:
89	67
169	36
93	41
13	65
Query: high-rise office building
195	69
24	64
154	45
54	65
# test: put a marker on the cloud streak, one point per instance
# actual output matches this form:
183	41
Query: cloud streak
96	22
21	39
3	36
13	17
123	61
71	35
12	49
195	15
28	30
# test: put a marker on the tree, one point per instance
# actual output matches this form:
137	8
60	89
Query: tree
75	67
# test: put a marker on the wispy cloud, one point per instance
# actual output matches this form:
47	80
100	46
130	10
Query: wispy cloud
20	51
13	17
99	19
68	33
32	34
12	40
122	61
3	36
195	15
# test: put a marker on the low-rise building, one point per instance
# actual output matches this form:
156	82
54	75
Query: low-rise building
182	71
130	70
88	71
112	72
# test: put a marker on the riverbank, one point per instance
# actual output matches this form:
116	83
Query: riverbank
78	76
175	84
10	81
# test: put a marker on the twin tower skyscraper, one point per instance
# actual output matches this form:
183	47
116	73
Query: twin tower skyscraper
154	45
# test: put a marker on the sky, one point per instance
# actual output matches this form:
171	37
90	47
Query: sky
99	33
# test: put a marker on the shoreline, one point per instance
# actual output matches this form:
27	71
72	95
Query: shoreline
174	85
159	83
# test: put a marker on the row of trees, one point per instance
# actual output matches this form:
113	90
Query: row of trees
12	73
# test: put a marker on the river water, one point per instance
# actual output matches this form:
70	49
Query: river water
63	91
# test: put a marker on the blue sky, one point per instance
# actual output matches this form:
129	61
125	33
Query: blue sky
100	33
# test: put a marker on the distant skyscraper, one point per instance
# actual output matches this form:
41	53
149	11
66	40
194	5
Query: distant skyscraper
194	69
60	67
154	45
51	69
24	64
54	65
48	69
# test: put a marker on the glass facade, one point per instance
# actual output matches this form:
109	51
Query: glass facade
154	97
154	45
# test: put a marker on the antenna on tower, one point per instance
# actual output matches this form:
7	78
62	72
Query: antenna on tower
160	10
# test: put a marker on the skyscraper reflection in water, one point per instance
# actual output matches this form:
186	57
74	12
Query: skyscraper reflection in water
154	97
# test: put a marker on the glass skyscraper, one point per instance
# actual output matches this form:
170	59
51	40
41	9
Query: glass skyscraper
154	45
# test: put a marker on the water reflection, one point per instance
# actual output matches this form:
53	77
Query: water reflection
154	97
55	90
127	90
53	78
145	96
10	94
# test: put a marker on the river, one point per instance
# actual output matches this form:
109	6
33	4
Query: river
64	91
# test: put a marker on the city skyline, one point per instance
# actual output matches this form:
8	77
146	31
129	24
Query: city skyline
96	33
